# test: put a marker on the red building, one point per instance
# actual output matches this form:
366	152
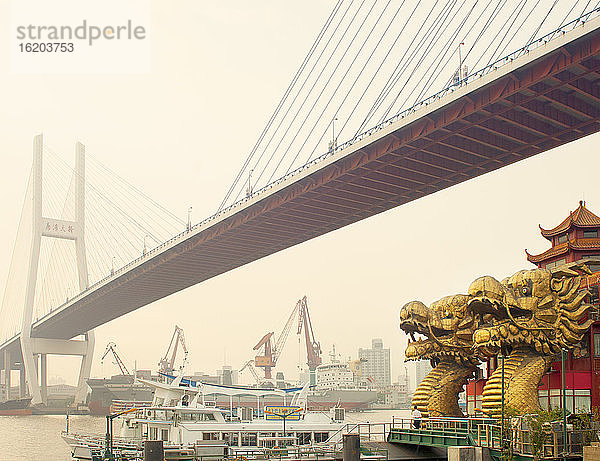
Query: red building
576	238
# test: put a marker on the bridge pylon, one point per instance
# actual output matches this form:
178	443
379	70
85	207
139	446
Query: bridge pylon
35	349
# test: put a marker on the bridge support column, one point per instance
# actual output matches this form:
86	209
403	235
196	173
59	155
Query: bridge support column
22	382
44	377
7	370
85	369
61	229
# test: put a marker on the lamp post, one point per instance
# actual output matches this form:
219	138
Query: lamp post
564	400
189	218
501	356
460	62
333	142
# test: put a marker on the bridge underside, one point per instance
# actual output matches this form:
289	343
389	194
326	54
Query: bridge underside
540	105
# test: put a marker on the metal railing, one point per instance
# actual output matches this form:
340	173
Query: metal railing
516	436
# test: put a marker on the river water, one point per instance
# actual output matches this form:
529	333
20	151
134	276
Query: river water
33	438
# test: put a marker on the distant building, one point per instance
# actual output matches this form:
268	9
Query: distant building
227	375
376	366
205	378
422	369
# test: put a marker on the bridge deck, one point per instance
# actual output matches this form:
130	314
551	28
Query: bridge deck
544	98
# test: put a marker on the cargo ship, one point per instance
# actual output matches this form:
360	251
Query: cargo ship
118	387
15	407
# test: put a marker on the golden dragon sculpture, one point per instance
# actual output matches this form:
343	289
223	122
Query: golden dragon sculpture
448	326
529	316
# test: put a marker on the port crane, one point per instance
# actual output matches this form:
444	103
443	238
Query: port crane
112	347
250	366
271	352
167	364
313	347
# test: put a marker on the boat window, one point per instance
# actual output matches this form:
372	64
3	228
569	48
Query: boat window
249	439
206	417
164	435
321	436
187	417
303	438
210	436
231	438
153	433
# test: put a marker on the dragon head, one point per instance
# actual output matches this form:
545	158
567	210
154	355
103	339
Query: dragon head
447	324
538	307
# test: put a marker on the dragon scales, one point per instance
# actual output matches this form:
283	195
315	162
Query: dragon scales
529	316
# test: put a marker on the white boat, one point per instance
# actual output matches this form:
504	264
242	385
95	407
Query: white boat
180	418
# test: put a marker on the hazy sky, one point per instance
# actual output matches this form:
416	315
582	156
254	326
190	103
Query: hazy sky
181	132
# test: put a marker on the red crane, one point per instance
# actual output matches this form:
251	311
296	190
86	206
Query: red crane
271	352
313	347
266	360
166	364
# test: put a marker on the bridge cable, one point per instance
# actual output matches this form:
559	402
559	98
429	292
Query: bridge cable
344	100
532	38
281	102
397	73
363	67
316	100
383	61
430	37
445	58
306	98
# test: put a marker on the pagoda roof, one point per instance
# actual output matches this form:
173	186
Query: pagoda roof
562	248
581	217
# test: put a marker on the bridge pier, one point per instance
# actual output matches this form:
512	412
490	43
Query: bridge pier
44	377
22	381
31	347
7	370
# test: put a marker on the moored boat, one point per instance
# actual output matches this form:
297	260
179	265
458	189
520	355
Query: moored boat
180	418
16	407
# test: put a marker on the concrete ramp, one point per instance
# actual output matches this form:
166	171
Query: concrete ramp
407	452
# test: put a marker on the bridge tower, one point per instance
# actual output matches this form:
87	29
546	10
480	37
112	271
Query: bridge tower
35	350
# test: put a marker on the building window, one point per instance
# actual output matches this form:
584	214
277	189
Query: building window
596	344
590	234
594	295
562	238
558	262
582	400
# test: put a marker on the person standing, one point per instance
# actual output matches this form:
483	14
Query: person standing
416	417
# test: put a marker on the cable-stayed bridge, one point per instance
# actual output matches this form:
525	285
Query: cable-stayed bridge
543	95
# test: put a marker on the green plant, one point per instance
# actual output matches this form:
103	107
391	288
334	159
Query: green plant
539	429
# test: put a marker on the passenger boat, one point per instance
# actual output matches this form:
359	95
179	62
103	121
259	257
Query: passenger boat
179	417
